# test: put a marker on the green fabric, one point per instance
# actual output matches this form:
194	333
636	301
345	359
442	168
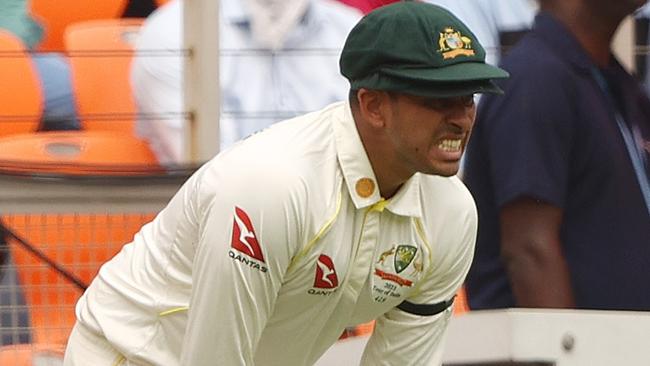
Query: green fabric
15	17
418	48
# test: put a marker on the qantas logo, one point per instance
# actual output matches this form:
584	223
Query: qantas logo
245	242
243	236
325	273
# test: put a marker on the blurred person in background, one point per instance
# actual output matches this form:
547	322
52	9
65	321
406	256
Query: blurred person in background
53	69
498	24
278	59
559	170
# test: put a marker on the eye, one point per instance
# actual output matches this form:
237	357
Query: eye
442	104
467	101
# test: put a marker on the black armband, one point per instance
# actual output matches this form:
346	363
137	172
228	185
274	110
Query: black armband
425	309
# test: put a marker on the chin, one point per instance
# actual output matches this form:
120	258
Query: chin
444	170
446	173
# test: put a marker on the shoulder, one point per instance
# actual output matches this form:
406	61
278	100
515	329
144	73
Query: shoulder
541	82
535	60
447	197
162	29
450	221
288	161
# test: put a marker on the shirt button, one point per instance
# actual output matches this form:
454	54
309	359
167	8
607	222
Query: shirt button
365	187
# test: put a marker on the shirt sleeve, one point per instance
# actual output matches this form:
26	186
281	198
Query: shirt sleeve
404	339
248	234
529	135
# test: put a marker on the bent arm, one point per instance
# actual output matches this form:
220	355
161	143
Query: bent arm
247	238
532	252
412	336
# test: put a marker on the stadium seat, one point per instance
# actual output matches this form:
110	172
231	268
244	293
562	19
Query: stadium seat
101	84
31	355
20	94
56	15
77	242
77	152
161	2
460	303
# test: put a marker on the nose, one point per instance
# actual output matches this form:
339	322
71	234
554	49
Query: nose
461	115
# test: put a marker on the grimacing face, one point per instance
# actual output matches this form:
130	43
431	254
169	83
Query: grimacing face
429	135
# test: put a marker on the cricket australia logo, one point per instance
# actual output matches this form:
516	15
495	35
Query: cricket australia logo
326	281
388	283
244	241
453	44
404	256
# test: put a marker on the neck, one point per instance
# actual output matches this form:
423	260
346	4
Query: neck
389	179
389	174
593	28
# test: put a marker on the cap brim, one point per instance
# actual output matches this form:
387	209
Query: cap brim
461	72
427	88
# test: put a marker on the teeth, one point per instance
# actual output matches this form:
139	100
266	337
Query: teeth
450	145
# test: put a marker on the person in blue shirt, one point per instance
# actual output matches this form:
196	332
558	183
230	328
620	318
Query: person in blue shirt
559	170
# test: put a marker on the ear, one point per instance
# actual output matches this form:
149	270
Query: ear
374	106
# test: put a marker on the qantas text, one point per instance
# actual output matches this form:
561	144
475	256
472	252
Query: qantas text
248	262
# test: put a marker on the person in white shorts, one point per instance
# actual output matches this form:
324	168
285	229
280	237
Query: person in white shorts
331	219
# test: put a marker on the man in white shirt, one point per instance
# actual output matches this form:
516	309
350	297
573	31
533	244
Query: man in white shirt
331	219
270	69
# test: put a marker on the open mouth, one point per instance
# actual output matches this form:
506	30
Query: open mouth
449	145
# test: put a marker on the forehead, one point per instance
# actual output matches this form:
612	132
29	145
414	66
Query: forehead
440	103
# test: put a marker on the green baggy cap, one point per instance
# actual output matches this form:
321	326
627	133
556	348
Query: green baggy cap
417	48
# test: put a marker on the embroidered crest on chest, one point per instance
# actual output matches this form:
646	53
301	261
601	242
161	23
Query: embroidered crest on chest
395	270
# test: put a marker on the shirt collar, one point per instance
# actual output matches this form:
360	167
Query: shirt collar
407	200
359	176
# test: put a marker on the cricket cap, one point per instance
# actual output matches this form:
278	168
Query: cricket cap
417	48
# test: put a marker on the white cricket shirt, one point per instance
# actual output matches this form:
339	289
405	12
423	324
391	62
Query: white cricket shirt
277	244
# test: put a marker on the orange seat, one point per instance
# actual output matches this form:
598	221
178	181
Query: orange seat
56	15
20	94
78	243
31	355
161	2
101	84
460	302
77	152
